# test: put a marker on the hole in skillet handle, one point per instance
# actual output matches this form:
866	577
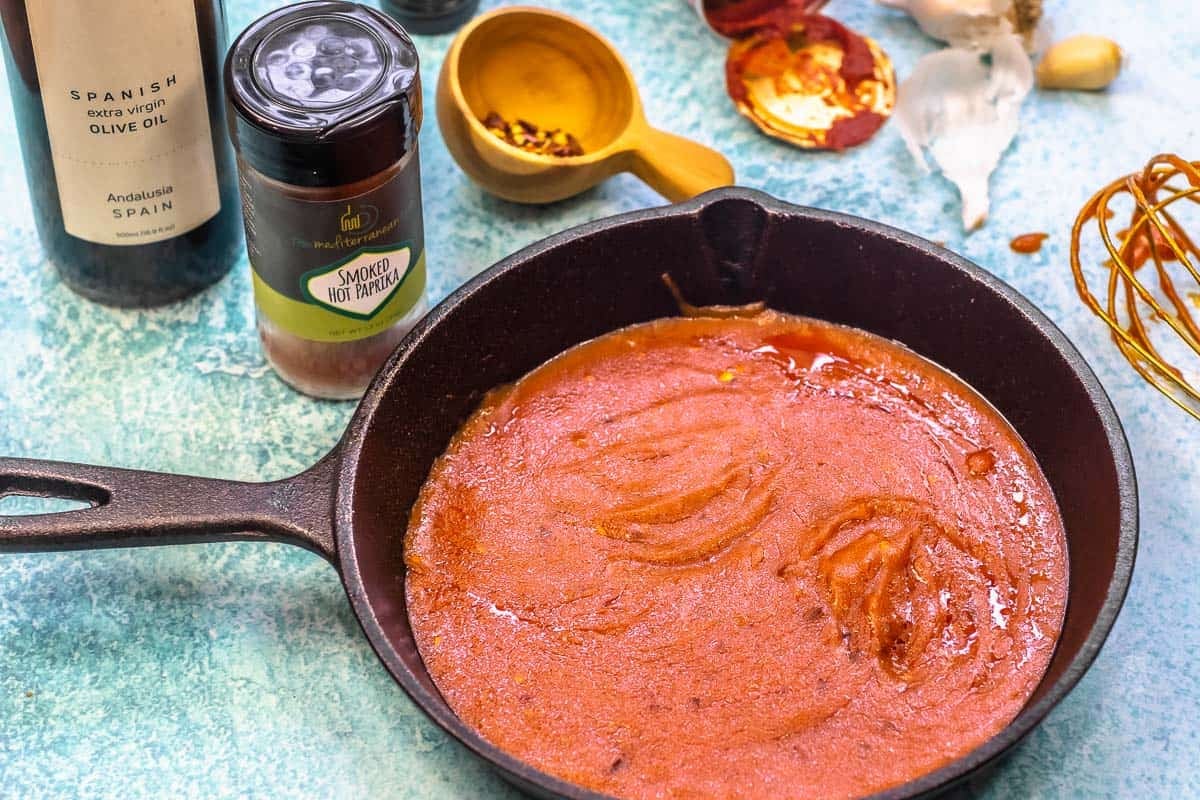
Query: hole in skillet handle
28	496
19	504
733	232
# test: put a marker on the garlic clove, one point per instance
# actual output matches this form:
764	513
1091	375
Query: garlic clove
1080	62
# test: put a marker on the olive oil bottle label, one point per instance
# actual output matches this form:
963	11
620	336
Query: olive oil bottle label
128	119
331	266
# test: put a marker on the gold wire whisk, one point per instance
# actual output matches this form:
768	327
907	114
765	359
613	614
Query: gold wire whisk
1137	296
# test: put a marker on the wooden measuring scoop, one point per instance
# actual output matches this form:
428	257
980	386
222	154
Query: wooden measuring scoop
547	68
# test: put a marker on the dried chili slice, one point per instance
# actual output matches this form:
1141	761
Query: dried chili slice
811	81
734	18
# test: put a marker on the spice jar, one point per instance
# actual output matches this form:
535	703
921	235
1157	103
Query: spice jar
325	105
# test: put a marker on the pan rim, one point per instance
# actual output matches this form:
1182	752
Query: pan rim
931	783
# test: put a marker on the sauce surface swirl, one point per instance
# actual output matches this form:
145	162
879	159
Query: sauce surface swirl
747	557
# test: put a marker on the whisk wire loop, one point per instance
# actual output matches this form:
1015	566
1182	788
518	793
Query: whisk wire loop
1154	235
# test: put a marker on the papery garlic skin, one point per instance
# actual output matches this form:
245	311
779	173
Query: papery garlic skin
963	23
965	113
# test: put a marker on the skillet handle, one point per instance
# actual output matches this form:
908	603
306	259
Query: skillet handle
131	508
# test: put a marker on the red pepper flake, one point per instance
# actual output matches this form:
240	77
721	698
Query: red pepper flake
526	136
1028	243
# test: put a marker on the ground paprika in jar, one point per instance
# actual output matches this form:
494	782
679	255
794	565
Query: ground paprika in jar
325	111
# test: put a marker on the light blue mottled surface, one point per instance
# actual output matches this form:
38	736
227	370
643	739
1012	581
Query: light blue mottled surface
238	670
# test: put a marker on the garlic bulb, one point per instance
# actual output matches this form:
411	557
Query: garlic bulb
965	113
1080	62
971	23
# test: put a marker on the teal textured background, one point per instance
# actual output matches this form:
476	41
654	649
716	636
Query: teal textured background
239	671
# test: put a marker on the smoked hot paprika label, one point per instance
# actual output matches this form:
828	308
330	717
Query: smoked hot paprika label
336	269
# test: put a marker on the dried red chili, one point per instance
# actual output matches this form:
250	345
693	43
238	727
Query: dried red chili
734	18
809	80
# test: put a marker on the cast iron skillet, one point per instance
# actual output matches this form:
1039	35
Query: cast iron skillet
729	246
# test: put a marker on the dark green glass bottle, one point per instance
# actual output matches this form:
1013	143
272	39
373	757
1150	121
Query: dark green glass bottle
121	117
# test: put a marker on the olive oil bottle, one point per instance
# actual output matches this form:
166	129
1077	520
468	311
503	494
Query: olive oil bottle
121	120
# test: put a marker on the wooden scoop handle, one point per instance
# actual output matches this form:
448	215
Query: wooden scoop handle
678	168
